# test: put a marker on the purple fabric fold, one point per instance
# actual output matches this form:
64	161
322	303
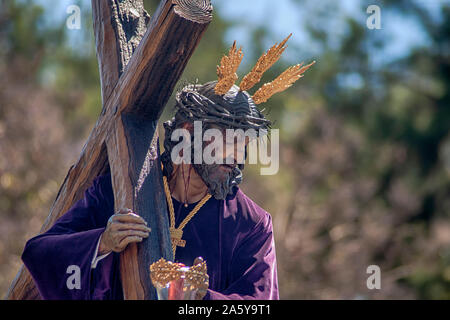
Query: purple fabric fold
234	236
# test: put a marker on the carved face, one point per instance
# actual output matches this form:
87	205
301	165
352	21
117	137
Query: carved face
221	178
220	181
235	110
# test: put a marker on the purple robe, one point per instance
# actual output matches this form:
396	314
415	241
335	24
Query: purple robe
234	236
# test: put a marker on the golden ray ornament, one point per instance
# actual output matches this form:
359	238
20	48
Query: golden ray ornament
229	65
227	70
263	64
281	83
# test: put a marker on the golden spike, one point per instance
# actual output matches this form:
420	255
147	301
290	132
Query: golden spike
263	64
284	81
227	70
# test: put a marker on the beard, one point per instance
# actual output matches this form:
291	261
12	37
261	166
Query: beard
220	182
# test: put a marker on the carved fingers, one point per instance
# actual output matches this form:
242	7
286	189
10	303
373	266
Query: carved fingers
123	228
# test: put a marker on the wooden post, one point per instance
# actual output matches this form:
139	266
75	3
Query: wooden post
140	61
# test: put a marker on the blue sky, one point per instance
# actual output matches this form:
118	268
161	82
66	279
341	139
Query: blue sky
286	16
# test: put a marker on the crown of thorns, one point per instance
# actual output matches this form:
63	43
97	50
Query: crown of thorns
234	110
224	103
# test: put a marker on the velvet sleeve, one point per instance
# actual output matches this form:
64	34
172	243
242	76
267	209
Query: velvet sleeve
60	259
253	267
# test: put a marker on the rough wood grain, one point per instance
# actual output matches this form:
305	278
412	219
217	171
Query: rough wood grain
124	137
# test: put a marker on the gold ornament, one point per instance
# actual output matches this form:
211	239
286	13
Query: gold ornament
227	70
264	63
176	234
229	65
163	272
284	81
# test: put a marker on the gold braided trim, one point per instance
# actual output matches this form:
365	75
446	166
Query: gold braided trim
194	211
177	233
169	202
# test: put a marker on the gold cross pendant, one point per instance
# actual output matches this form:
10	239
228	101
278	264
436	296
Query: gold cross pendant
176	235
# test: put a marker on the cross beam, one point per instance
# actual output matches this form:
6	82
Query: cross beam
140	61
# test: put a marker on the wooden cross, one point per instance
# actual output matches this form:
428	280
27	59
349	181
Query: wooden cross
140	61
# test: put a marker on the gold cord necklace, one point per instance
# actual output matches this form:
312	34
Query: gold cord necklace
177	233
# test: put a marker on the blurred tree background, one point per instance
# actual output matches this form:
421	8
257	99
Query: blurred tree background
364	137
